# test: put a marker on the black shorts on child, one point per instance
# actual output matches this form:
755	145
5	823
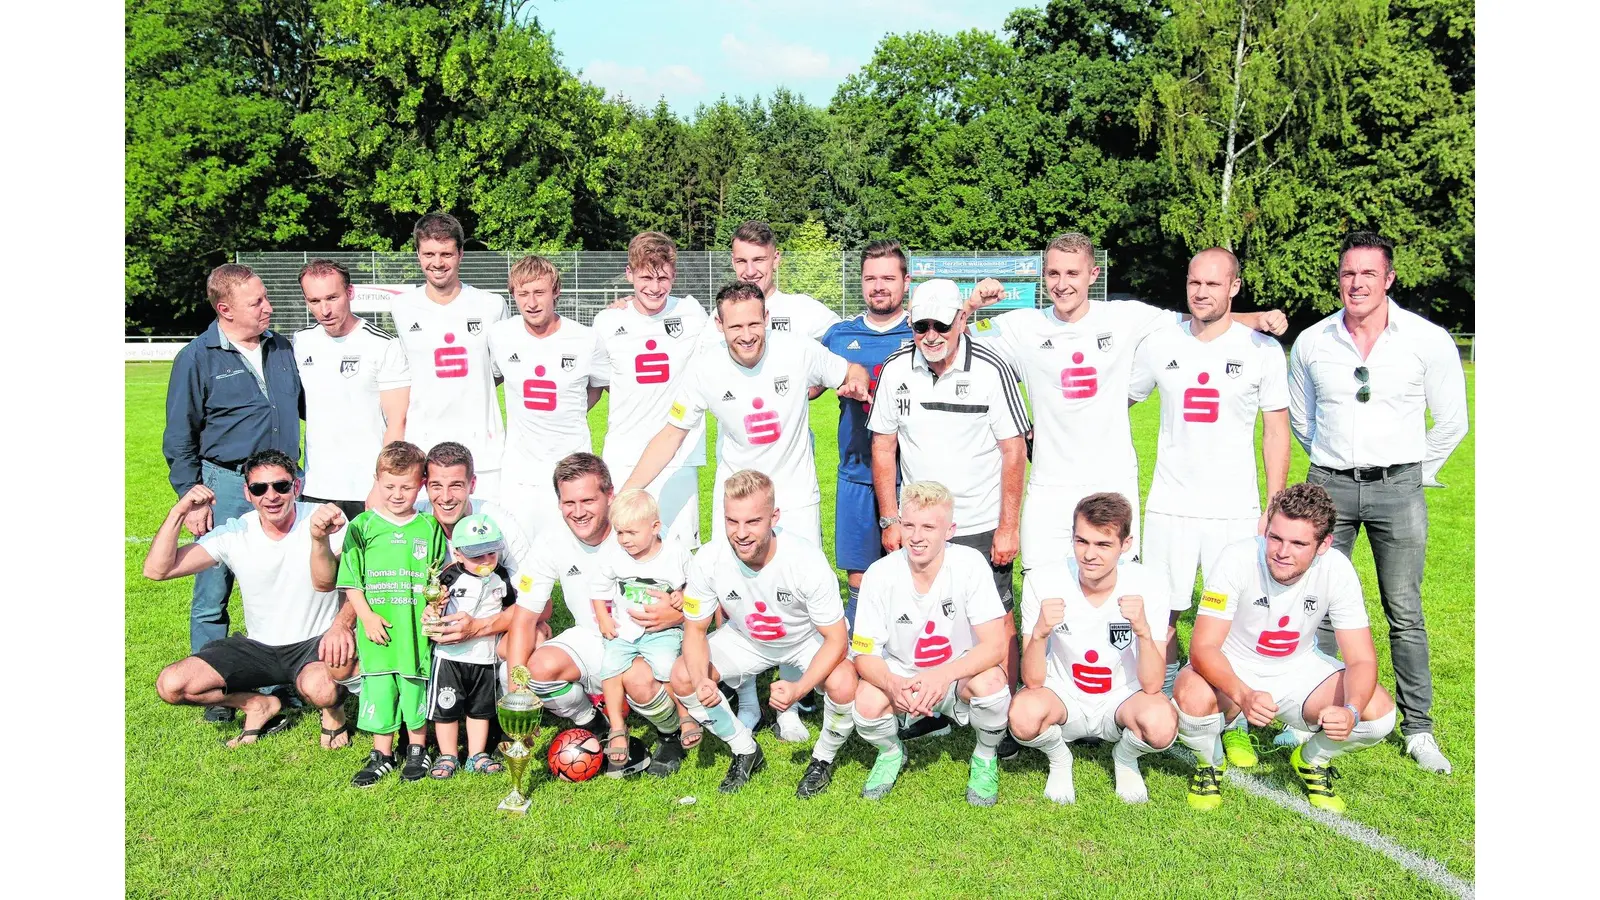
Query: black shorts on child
460	690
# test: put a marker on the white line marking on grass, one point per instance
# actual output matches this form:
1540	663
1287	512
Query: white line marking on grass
1413	862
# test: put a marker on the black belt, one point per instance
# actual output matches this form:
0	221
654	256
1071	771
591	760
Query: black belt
1374	473
236	468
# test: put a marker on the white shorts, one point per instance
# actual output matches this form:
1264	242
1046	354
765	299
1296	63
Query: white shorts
736	657
1176	544
805	521
587	650
950	706
677	493
1289	683
1090	716
1047	518
528	494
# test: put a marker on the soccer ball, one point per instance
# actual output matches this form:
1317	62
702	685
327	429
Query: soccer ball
576	755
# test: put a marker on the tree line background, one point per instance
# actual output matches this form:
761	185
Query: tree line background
1158	128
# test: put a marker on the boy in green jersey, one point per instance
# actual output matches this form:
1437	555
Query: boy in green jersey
388	554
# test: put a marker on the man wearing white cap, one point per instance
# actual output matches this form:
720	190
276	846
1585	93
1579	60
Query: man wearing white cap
951	409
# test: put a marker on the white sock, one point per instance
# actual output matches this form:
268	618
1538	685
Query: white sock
1058	786
660	712
836	727
749	703
882	732
720	722
1203	735
788	726
1321	749
1125	764
989	716
567	700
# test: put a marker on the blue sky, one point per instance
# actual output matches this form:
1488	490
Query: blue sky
692	52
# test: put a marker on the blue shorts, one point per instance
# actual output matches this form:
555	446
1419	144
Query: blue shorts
658	649
857	540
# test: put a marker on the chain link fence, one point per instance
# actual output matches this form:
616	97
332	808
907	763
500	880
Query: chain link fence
592	279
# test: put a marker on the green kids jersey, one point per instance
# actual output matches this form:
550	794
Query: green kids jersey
389	564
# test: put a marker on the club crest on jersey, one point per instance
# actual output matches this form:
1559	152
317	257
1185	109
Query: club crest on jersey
785	598
1234	368
347	366
781	385
674	326
1103	341
419	549
1120	634
1310	604
962	387
780	323
568	363
949	607
474	326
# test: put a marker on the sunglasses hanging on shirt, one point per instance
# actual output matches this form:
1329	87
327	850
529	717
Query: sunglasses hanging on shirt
1364	393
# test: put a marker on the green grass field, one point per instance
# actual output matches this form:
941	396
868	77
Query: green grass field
279	818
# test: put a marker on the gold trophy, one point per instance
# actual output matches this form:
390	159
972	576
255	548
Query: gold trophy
518	713
436	596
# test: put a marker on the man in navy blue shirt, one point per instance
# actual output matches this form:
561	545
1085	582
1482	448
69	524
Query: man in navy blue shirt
867	339
234	391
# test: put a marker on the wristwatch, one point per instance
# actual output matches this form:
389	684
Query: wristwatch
1354	712
886	521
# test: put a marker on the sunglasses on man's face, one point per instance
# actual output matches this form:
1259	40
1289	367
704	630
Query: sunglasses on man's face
1364	393
259	488
923	326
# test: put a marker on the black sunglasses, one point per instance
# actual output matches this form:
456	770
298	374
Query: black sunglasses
1365	392
923	326
259	488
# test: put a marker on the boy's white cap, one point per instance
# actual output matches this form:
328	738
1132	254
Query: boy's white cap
938	299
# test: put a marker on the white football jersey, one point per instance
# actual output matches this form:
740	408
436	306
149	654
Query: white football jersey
1077	378
763	416
779	607
479	597
519	550
921	631
452	377
561	557
615	570
343	378
1275	624
643	359
1210	394
547	392
800	314
1093	651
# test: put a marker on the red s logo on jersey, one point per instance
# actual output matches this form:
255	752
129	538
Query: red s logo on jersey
652	368
1091	679
539	393
931	649
1278	643
763	627
450	362
872	387
762	427
1202	404
1079	382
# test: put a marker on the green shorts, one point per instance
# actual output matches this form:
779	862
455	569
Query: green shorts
387	700
659	649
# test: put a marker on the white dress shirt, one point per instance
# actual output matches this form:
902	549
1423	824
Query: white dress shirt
1413	368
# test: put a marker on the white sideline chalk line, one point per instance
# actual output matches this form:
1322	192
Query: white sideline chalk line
1413	862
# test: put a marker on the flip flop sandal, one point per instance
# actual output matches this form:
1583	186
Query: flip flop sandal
271	726
484	764
348	728
443	767
690	734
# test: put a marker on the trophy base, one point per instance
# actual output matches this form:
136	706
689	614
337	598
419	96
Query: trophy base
516	803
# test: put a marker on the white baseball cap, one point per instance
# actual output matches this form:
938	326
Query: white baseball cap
938	299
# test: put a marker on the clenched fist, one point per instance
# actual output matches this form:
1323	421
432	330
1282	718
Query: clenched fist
325	520
1051	611
1132	607
988	292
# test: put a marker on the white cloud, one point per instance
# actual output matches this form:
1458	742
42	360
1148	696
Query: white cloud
641	84
764	53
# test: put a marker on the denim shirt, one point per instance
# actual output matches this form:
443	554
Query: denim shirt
217	412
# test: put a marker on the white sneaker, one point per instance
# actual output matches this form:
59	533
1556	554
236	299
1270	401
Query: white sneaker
1291	736
1130	784
1425	750
789	728
1058	786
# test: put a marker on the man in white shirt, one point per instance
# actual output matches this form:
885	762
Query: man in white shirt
444	326
781	599
1093	633
644	348
757	389
548	362
270	552
1360	384
930	640
1076	359
755	258
565	669
357	387
1252	651
1214	375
